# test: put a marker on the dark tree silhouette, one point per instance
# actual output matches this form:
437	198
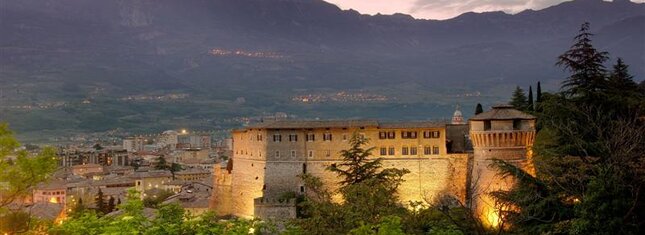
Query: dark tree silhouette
585	63
479	109
519	99
529	105
100	202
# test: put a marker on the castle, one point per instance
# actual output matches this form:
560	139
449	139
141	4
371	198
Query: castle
268	157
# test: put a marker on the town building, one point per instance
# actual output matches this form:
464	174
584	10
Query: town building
52	192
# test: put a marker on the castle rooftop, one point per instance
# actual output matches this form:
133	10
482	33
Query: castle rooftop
312	124
502	112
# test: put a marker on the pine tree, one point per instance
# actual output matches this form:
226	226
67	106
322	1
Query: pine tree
586	65
519	99
620	80
100	202
357	167
479	109
529	105
110	205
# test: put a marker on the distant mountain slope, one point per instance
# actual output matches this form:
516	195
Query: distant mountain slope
269	49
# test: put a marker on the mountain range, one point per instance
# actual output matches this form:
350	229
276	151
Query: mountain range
267	51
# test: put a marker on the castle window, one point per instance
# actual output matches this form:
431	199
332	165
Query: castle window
293	137
390	151
304	168
435	150
404	151
427	150
487	125
327	153
516	124
408	134
293	153
327	136
302	189
382	135
277	138
259	137
391	135
310	137
277	154
310	154
383	151
413	150
436	134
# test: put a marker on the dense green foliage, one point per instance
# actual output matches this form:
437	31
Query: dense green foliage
168	219
589	153
370	203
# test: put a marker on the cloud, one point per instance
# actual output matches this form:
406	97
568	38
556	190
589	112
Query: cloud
443	9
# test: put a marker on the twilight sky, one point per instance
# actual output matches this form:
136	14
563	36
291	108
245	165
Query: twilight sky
442	9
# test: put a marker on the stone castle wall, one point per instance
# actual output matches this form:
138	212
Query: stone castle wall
264	168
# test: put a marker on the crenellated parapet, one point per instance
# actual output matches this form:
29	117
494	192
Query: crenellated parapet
503	138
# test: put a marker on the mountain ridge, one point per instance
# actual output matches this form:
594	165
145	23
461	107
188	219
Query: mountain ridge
270	50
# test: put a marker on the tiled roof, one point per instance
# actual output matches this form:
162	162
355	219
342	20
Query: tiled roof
502	112
298	124
411	124
313	124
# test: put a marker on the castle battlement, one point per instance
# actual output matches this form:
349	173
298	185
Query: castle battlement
502	138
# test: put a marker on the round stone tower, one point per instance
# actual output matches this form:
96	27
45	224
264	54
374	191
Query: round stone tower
501	133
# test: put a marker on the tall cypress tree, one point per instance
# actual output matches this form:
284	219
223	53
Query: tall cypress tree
538	98
479	109
585	63
529	105
519	99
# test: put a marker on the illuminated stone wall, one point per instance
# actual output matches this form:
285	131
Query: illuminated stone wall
264	168
502	141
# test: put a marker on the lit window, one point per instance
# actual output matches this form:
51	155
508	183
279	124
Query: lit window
408	134
382	135
391	135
